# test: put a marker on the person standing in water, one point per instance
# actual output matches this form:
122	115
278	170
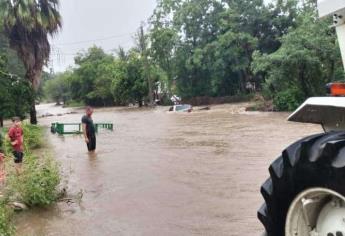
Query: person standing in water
89	130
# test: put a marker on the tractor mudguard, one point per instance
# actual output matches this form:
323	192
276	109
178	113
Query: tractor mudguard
329	112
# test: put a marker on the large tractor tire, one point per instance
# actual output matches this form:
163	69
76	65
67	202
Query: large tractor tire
305	192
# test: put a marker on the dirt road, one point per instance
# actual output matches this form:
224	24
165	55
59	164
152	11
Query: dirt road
167	174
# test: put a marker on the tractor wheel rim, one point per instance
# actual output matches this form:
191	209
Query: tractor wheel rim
316	212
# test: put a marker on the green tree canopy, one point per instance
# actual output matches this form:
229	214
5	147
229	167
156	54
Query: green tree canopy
308	59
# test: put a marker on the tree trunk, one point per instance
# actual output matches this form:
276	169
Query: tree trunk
332	70
304	85
1	121
33	117
243	81
150	90
33	77
149	82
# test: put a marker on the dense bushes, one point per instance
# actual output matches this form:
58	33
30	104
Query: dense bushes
288	100
37	185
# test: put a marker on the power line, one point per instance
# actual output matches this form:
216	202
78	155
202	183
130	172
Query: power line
64	54
58	52
58	56
94	40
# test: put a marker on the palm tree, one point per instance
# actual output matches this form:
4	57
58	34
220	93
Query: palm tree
27	24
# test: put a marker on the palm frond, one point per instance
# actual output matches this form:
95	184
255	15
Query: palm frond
27	25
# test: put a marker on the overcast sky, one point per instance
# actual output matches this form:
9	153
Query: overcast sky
105	23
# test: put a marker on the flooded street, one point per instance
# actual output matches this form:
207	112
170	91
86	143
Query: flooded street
164	173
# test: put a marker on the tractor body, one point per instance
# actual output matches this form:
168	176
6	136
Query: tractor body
305	193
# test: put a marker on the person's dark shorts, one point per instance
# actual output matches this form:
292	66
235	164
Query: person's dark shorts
18	157
91	146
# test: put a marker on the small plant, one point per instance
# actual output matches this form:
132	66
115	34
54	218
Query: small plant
6	225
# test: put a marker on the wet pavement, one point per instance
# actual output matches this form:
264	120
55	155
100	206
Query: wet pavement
163	173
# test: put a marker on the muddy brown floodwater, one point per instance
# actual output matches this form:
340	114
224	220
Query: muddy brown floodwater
164	173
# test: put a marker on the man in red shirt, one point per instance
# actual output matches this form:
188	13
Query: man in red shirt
15	134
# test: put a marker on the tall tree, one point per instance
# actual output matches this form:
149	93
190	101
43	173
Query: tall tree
142	46
57	89
28	23
206	46
163	42
91	81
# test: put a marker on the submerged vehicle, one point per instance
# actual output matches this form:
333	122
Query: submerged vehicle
181	108
305	194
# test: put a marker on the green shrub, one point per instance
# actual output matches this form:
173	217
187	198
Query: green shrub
6	225
288	100
37	185
33	136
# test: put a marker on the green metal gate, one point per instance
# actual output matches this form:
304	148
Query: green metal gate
76	128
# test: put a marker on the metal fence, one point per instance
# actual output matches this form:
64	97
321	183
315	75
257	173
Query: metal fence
76	128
